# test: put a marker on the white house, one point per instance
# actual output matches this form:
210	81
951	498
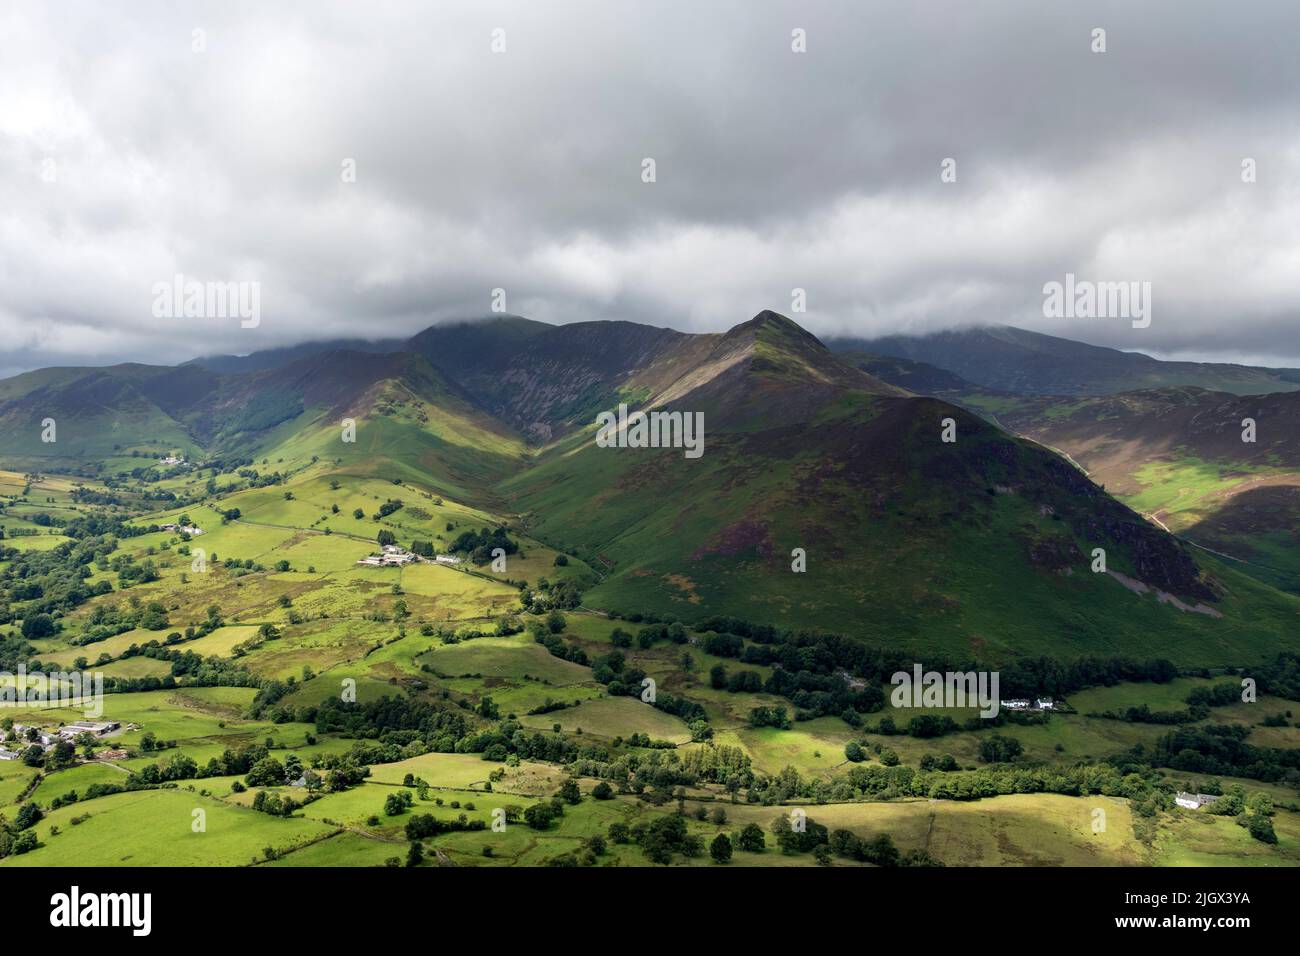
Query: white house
447	559
1044	703
1016	704
1194	801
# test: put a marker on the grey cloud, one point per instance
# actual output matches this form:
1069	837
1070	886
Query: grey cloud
522	170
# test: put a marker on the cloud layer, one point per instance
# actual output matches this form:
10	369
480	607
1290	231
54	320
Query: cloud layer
128	156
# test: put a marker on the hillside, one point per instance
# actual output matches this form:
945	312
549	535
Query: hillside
1006	359
1178	455
979	545
982	545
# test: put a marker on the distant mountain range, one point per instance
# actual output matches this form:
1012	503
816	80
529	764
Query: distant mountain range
981	545
1006	359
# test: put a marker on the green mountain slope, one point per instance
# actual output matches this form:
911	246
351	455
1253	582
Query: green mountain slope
980	545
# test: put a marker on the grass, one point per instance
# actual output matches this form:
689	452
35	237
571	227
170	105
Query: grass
610	717
155	828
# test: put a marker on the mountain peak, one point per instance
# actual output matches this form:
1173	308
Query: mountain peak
770	325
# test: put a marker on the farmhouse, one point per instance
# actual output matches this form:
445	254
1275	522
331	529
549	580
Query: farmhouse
169	460
1015	704
40	738
1044	703
187	528
447	559
390	556
9	754
1194	801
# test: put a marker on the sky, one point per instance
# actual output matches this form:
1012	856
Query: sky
373	168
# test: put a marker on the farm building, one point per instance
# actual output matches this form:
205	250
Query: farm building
1194	801
94	728
390	556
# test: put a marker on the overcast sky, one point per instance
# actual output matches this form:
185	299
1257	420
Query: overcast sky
127	156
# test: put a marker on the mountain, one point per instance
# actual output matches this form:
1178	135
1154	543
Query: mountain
1006	359
1178	454
274	358
980	545
983	545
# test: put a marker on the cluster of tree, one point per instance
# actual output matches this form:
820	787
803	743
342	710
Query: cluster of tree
18	837
179	767
769	717
394	720
277	805
549	594
422	826
187	669
480	544
999	749
878	782
922	726
661	839
1254	812
879	850
557	647
1221	749
810	668
1279	676
1143	714
50	582
130	572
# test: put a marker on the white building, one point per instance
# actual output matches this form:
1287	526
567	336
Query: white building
1016	704
447	559
1044	703
1194	801
94	728
390	556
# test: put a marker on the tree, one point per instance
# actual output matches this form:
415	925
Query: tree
999	749
720	849
751	839
267	772
414	854
569	791
602	791
1261	828
386	537
38	625
539	816
396	804
29	814
854	752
